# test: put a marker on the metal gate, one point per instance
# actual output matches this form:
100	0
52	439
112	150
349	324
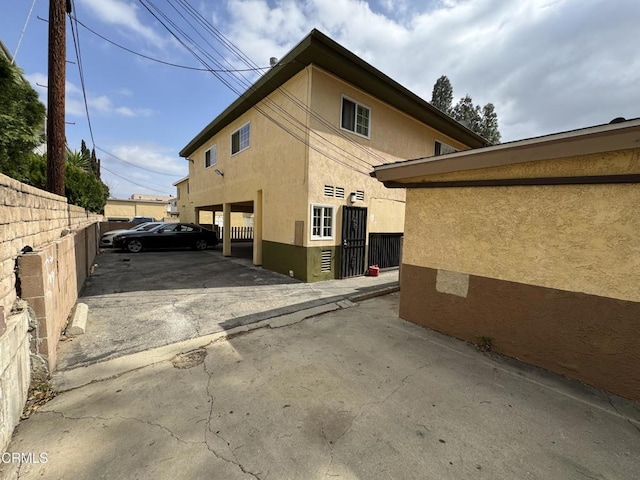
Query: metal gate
354	241
385	249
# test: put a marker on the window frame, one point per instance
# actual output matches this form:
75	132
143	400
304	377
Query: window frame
355	119
323	216
239	132
213	148
438	147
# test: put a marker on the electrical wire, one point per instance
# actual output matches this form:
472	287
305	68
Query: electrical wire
186	67
76	44
132	182
138	166
157	13
245	59
24	29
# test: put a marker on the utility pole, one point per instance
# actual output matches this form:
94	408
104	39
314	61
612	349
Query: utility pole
56	138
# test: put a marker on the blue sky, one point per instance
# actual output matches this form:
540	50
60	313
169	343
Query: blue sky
547	65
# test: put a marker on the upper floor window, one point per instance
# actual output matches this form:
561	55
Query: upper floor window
211	156
355	117
240	139
442	148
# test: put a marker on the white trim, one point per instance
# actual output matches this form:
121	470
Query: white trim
212	147
355	125
239	138
333	222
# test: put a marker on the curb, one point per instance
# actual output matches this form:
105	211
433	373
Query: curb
64	380
78	323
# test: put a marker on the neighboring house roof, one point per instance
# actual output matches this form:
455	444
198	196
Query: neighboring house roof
318	49
621	135
185	179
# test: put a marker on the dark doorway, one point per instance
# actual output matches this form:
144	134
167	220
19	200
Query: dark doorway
354	241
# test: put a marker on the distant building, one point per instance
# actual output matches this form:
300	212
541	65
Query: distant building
139	205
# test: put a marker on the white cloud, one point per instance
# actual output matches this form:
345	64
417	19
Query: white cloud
139	164
546	65
123	14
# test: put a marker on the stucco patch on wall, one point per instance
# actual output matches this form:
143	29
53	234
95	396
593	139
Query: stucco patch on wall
454	283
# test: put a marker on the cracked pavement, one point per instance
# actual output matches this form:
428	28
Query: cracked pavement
150	299
352	394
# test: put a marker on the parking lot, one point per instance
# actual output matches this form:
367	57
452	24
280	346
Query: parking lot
153	298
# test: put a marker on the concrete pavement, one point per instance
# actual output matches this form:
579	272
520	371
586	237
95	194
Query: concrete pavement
146	300
355	393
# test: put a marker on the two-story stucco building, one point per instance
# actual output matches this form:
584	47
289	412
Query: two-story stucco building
297	150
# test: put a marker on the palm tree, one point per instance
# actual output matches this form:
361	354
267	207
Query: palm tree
79	159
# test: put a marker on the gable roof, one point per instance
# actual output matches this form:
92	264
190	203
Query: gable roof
620	135
318	49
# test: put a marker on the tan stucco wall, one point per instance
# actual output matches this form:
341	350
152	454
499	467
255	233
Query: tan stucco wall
581	238
292	176
274	163
131	208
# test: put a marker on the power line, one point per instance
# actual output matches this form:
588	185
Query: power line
186	67
292	120
138	166
76	44
245	59
132	182
24	29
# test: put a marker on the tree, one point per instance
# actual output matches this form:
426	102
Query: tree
468	114
483	121
21	121
489	124
442	96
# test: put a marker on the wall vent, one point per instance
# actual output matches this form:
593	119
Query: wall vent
325	261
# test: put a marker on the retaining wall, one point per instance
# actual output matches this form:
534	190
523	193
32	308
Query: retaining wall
60	241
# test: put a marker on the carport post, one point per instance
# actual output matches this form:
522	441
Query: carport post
257	229
226	230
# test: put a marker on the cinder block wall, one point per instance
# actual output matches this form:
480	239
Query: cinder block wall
64	239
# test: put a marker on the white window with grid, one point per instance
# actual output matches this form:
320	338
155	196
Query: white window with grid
355	117
240	139
322	222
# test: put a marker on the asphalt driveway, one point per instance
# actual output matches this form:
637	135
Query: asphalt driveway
354	394
145	300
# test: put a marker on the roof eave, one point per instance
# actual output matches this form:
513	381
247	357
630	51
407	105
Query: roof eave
599	139
318	49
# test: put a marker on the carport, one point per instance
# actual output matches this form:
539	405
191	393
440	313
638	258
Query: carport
226	209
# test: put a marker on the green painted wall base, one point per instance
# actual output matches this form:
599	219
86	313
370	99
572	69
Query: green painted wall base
305	262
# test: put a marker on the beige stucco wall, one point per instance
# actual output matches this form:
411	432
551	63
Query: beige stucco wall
292	175
131	208
274	163
581	238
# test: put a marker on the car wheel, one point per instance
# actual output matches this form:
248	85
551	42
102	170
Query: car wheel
201	244
134	246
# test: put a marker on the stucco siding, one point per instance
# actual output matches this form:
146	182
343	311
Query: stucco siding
581	238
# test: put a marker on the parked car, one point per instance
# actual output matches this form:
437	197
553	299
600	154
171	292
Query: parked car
168	235
106	240
142	219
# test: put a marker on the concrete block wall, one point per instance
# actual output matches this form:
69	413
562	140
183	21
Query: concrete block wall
33	217
14	373
64	239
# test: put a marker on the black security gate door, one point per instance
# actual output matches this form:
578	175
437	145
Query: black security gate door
354	241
